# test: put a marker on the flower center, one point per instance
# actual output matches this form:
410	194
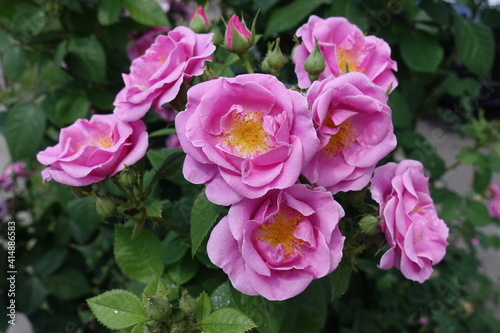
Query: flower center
346	60
247	134
162	58
102	141
340	141
280	231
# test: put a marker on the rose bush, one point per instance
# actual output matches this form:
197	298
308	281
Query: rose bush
415	234
156	77
345	49
354	126
274	246
244	136
90	150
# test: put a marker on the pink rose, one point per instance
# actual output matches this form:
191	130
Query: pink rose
156	77
244	136
355	129
11	173
276	245
415	234
345	49
494	207
90	150
141	43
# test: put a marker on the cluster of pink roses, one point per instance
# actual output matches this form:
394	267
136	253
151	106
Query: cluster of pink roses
251	140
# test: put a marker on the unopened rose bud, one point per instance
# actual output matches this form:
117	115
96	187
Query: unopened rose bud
274	60
105	207
238	38
157	307
127	178
199	22
187	304
315	64
369	224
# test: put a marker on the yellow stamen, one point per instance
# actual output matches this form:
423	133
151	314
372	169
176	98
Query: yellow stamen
347	61
247	134
102	141
162	58
339	141
280	231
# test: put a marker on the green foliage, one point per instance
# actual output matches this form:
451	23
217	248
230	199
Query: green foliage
62	61
117	309
203	217
139	258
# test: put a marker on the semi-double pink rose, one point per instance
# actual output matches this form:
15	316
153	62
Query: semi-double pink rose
156	77
415	234
345	49
244	136
90	150
276	245
355	129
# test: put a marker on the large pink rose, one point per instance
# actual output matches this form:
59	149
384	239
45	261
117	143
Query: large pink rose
156	77
90	150
244	136
355	129
276	245
345	49
415	234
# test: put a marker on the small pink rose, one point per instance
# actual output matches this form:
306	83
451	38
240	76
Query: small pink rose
415	234
90	150
14	171
353	123
238	38
345	49
244	136
156	77
198	20
274	246
494	207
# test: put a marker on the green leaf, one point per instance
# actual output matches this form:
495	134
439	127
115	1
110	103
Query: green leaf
139	258
174	247
24	129
70	107
156	287
204	215
153	209
165	162
468	155
68	283
401	114
203	307
147	12
84	220
460	87
482	177
421	52
493	160
30	293
311	309
14	62
475	45
162	132
477	214
50	261
340	277
450	204
227	320
117	309
139	327
183	271
289	16
108	11
265	5
4	41
86	59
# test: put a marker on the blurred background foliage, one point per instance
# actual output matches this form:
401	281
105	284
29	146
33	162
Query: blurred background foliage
62	60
